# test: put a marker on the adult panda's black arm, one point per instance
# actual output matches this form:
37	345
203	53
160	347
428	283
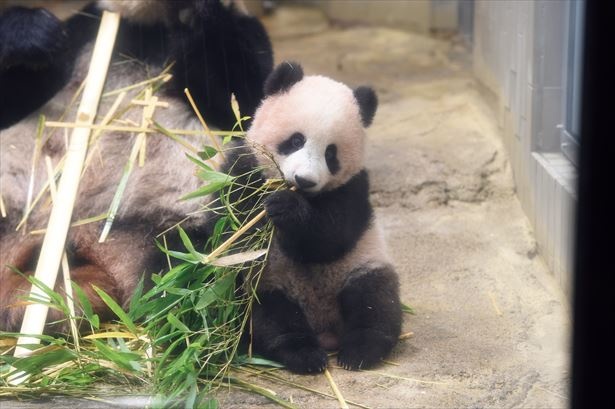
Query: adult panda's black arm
219	52
37	56
323	228
31	70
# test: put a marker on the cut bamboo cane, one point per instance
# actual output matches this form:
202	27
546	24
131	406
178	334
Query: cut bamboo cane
336	391
61	212
68	289
59	124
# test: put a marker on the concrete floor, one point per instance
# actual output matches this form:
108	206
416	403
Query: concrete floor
491	326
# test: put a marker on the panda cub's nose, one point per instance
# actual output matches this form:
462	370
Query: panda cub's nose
303	183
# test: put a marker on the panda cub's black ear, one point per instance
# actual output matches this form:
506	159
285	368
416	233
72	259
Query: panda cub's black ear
368	102
283	77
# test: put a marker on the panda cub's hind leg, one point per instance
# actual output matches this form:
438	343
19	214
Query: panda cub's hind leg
281	332
371	311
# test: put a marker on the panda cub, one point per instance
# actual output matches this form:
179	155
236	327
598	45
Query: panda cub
328	283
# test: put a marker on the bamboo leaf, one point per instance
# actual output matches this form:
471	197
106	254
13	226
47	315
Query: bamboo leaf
188	244
208	152
177	323
221	286
111	334
205	190
125	360
117	310
407	309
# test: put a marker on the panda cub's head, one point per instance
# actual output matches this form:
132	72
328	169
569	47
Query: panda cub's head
313	128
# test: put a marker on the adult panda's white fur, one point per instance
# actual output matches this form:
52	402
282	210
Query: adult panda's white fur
150	203
329	282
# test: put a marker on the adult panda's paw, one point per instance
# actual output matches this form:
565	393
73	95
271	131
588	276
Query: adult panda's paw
287	208
363	348
32	38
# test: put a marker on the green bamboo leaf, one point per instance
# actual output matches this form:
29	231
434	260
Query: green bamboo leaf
117	310
126	360
407	309
199	163
256	360
179	255
217	291
208	152
205	190
188	244
173	320
36	362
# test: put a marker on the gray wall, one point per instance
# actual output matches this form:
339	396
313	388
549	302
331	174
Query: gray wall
520	54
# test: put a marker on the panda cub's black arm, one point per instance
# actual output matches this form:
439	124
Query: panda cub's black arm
324	227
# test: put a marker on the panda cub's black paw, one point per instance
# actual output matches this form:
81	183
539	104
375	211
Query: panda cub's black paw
363	348
305	360
31	38
287	208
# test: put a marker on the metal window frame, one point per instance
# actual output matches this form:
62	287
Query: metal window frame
573	71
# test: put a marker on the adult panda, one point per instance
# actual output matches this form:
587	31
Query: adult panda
216	49
328	283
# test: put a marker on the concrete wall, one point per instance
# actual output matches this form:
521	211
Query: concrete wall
415	15
519	53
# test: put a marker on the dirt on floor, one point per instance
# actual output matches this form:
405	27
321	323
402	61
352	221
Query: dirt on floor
492	326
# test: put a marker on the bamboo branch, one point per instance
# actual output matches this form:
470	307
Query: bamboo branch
61	212
68	289
205	127
120	128
336	391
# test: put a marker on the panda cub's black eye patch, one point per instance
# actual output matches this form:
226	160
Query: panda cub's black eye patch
292	144
331	157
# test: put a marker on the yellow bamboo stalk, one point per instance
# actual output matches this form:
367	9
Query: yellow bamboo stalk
224	246
2	206
68	289
336	391
207	130
120	128
61	212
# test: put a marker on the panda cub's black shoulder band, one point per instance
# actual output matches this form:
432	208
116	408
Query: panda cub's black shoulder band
283	78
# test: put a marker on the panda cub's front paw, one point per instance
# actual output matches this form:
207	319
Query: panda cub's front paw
287	208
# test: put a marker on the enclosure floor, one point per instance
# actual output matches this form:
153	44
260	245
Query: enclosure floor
491	326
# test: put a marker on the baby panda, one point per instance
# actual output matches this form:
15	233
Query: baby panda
329	283
216	50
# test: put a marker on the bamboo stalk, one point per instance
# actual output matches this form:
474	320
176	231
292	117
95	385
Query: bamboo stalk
2	206
336	391
120	128
205	127
61	212
228	242
68	289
